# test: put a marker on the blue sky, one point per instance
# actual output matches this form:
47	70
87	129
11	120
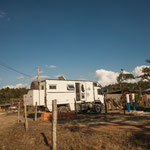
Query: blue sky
77	36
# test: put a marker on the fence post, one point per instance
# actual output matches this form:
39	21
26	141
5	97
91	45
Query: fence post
76	111
105	103
54	124
25	114
35	112
18	112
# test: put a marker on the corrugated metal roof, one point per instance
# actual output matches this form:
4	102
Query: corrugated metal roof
147	90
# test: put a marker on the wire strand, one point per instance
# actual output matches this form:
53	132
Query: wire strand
15	70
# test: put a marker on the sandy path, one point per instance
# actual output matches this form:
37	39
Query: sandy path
7	121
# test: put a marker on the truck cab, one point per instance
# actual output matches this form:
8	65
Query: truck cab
98	95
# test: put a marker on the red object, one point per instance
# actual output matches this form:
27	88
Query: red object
61	116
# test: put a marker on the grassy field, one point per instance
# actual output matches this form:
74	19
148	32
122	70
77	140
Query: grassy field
113	131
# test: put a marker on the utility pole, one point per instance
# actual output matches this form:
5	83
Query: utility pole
37	76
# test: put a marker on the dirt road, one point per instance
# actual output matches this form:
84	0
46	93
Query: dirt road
7	121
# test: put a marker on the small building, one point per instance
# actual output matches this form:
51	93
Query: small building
113	100
116	99
4	107
146	97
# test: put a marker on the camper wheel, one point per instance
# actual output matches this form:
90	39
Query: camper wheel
63	109
97	109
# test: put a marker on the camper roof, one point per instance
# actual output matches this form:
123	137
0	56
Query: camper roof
68	80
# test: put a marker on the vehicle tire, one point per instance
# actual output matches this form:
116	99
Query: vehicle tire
63	109
84	111
97	109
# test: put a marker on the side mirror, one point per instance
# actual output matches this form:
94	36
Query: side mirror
104	91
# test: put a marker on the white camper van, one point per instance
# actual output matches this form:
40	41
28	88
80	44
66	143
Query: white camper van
71	95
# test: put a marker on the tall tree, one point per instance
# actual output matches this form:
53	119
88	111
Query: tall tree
146	72
123	76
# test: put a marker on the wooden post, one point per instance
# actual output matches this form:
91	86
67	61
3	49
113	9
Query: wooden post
76	112
18	112
35	112
54	124
105	104
25	114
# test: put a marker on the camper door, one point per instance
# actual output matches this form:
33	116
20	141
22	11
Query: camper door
80	92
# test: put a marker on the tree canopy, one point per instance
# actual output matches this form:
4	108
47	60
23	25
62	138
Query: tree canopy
7	93
124	76
146	72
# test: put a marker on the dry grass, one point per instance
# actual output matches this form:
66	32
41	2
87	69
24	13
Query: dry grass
89	132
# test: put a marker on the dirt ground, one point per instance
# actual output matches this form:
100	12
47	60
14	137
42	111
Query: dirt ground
113	131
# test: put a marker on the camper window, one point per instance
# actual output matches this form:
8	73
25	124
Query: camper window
52	87
70	87
82	88
99	92
42	87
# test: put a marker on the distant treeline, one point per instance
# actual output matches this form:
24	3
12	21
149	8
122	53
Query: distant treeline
136	87
7	93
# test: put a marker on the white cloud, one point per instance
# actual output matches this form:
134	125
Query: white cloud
43	77
138	70
106	77
40	77
20	77
2	14
81	77
40	72
52	66
20	85
57	76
